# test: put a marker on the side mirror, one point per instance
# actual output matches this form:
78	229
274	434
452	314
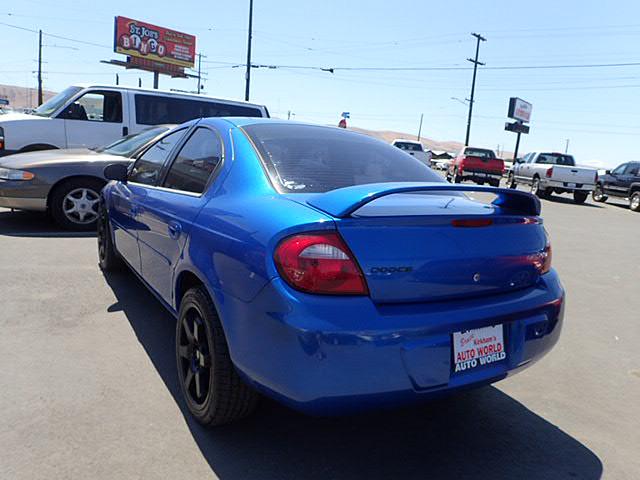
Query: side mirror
117	171
608	172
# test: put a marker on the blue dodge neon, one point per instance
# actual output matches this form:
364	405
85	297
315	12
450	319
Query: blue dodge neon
326	269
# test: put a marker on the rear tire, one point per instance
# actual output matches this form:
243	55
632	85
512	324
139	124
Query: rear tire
536	189
598	195
494	183
580	197
456	178
634	202
213	391
74	203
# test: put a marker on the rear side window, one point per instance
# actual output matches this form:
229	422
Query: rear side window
632	169
148	167
480	153
156	109
311	159
196	162
555	159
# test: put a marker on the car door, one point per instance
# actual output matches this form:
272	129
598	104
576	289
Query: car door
615	184
95	119
145	173
168	212
629	176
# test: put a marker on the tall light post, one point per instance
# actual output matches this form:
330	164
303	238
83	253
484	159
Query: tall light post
475	62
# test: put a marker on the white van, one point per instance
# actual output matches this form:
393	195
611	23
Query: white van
96	115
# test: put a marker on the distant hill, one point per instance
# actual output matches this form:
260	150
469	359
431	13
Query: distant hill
21	97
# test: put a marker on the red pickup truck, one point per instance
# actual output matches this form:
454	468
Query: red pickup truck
477	164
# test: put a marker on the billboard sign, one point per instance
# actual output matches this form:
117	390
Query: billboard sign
519	110
150	42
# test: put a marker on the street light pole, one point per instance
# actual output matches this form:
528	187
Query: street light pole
40	96
475	62
248	74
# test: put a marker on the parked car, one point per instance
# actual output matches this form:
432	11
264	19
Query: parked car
622	182
95	115
479	165
294	259
548	173
67	182
414	149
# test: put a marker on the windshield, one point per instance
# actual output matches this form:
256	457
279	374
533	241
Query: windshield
313	159
127	146
55	102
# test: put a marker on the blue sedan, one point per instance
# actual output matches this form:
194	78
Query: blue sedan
326	269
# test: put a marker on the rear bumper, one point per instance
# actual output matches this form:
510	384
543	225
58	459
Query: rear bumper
587	187
480	176
327	355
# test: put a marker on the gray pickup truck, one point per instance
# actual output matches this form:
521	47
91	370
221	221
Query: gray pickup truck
548	173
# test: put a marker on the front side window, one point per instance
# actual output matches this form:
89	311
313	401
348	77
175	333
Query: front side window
196	162
632	169
313	159
148	167
96	107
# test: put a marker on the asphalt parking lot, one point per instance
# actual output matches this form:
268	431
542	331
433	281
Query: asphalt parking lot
89	388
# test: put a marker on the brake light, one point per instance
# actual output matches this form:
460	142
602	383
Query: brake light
549	172
319	263
472	222
543	260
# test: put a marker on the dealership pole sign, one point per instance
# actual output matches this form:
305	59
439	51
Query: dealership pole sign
520	111
154	44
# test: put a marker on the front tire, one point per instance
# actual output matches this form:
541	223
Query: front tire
108	258
580	197
210	384
598	195
74	204
511	181
634	202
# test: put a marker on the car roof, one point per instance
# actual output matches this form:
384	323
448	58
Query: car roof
170	93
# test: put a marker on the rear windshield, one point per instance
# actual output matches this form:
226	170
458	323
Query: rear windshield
479	152
556	159
156	109
314	159
411	147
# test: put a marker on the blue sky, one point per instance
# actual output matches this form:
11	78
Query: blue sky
596	108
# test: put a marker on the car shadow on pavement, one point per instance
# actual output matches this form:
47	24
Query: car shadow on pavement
33	224
477	434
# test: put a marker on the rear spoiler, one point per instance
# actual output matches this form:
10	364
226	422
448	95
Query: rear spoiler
342	202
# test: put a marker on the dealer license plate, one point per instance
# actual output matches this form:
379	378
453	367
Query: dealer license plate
478	347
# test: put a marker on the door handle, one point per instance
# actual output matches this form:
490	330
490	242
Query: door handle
125	131
174	229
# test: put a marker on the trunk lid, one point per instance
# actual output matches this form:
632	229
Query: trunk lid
415	247
577	175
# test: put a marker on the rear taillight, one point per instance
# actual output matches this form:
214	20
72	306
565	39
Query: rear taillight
543	259
549	172
319	263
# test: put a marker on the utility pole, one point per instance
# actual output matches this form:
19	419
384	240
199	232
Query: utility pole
199	71
117	79
420	127
475	62
248	74
566	146
40	97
